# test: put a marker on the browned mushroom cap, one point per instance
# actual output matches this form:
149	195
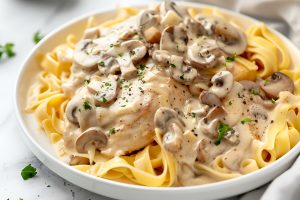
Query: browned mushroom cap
194	29
210	99
79	160
137	49
174	40
72	111
87	54
232	137
164	117
181	72
108	65
230	39
222	83
277	83
203	53
91	138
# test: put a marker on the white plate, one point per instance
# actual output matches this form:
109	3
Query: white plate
41	147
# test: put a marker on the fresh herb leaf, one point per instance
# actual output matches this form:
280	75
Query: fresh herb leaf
28	172
111	45
103	100
193	114
87	81
266	82
230	103
87	105
37	37
253	91
273	101
132	52
173	65
246	120
142	66
120	54
222	130
7	49
101	63
230	58
112	131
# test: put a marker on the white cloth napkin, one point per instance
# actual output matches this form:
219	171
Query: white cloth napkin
284	16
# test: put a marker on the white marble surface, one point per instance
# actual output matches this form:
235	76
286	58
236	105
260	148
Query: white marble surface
19	19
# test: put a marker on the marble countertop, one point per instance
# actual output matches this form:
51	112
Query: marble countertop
19	20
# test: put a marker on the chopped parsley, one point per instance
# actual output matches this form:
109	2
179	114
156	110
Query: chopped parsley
107	84
273	101
266	82
103	100
141	71
101	63
193	114
132	52
222	130
122	81
111	45
7	49
253	91
141	90
230	103
246	120
111	131
120	54
173	65
230	58
87	105
142	66
37	37
87	81
28	172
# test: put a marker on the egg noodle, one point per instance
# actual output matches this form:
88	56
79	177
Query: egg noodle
153	165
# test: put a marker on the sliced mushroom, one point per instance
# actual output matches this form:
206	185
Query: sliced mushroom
87	54
172	140
174	40
210	99
168	5
91	33
79	160
137	49
277	83
164	117
181	72
201	154
128	70
222	83
203	53
104	90
194	29
208	125
208	23
148	22
230	39
92	138
161	57
232	137
108	65
72	111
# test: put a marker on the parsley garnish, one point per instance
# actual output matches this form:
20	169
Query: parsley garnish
141	71
37	37
230	58
111	131
87	81
246	120
7	49
111	45
87	105
193	114
131	52
142	66
101	63
254	91
28	172
222	130
273	101
230	103
103	100
266	82
120	54
172	65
